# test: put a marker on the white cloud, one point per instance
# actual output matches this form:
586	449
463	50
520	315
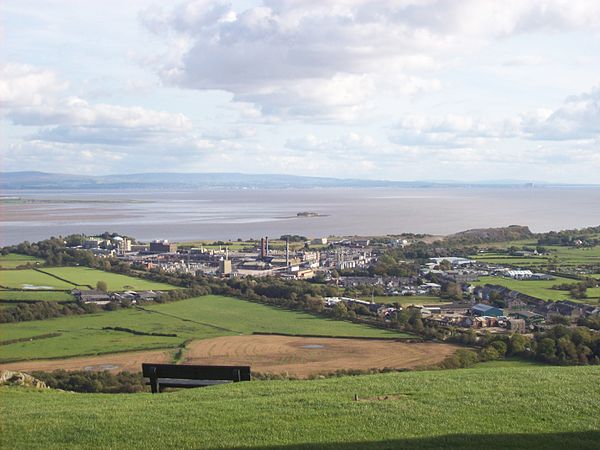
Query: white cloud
23	85
305	57
577	118
33	96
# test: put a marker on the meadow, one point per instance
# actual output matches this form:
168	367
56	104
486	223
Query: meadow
195	318
565	256
115	282
504	408
540	288
19	279
28	296
12	260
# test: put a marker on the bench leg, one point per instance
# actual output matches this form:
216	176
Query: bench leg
154	386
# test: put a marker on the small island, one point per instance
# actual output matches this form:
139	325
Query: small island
308	214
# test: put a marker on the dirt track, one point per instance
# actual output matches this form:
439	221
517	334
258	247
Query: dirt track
116	362
302	357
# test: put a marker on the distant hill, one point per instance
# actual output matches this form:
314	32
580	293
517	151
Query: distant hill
481	235
42	180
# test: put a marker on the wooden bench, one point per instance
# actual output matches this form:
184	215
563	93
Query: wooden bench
172	375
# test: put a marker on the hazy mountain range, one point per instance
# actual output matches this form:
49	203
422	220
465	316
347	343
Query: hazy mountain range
42	180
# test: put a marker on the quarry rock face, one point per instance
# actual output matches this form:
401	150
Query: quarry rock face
10	378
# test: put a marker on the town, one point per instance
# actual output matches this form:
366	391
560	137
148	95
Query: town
452	291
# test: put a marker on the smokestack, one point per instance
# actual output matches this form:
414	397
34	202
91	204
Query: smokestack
287	252
266	245
263	248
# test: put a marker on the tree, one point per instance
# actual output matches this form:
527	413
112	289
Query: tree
102	286
517	344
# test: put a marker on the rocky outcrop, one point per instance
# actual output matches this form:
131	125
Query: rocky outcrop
10	378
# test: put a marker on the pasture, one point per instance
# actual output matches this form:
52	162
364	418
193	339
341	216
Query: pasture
504	408
115	282
565	256
31	296
32	280
195	318
243	317
540	288
13	260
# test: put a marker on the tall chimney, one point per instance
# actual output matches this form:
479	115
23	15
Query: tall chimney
287	252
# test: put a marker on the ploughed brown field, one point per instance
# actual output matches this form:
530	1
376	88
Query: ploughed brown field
294	356
301	356
115	362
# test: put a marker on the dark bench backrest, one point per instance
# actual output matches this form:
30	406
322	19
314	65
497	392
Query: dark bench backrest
232	373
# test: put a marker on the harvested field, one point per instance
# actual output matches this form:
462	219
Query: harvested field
294	356
302	357
116	362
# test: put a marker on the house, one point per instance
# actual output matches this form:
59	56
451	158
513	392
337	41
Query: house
566	308
482	309
484	322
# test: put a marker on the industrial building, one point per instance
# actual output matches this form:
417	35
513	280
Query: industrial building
482	309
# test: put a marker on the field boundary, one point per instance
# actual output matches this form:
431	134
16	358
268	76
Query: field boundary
61	279
216	327
84	355
406	340
31	338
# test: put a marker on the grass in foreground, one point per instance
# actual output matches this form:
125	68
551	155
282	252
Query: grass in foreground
195	318
533	407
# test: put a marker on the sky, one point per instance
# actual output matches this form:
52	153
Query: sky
469	90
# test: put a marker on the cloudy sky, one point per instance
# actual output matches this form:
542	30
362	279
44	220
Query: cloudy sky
390	89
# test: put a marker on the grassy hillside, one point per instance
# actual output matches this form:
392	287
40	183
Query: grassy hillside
504	408
244	317
195	318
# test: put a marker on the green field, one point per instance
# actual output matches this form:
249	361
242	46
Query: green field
13	260
541	288
566	257
194	318
115	281
504	408
19	279
46	296
521	261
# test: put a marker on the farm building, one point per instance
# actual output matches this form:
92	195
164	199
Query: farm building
481	309
517	325
528	316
